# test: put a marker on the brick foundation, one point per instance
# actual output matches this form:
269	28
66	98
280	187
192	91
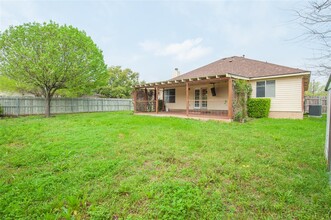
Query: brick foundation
291	115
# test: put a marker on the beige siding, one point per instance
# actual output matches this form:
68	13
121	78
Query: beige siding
180	99
288	94
218	102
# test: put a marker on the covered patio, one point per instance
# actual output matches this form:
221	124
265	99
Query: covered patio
200	98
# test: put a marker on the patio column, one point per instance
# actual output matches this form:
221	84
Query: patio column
134	100
187	97
157	100
230	95
145	100
163	104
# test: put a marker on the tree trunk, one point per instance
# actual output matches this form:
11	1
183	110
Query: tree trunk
48	105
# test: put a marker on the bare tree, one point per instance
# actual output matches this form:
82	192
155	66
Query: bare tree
316	19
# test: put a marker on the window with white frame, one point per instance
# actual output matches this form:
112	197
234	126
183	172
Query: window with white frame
265	88
170	95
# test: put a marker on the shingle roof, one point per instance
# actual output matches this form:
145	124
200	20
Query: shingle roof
240	66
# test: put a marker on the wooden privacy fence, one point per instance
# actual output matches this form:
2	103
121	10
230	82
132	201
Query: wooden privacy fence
34	105
311	100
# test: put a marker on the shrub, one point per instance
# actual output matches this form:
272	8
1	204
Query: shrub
243	90
160	105
258	107
238	116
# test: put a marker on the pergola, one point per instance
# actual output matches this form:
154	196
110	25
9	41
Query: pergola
157	86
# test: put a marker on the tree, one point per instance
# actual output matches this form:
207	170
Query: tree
12	86
316	19
243	91
316	89
48	57
120	83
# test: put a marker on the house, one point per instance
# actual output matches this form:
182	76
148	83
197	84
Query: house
328	124
208	90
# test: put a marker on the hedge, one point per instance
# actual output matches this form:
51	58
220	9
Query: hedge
258	107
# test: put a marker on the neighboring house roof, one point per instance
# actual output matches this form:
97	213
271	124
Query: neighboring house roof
242	67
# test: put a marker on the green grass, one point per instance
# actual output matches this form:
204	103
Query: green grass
121	166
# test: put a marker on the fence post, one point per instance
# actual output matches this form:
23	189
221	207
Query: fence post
88	105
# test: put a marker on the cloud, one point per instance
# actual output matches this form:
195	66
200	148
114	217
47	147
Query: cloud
187	50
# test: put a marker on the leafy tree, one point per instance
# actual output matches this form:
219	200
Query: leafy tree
243	91
120	83
11	86
316	89
49	57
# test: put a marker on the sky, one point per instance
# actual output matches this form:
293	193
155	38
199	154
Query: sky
155	37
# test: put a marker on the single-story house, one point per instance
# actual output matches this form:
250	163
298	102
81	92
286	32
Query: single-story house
328	125
208	91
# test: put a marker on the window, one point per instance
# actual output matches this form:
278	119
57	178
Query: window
265	88
204	98
197	98
170	95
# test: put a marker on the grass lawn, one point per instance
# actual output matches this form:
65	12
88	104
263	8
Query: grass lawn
117	165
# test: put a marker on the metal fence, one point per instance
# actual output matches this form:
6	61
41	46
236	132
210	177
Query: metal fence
17	106
318	100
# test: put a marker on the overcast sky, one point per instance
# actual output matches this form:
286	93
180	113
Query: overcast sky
154	37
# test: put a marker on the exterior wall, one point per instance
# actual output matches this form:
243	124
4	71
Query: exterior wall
180	99
287	102
218	102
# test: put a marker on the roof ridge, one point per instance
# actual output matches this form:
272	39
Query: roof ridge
218	60
274	64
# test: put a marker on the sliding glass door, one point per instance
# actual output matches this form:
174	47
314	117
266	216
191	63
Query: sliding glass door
200	98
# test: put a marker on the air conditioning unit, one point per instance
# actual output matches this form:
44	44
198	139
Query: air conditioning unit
315	110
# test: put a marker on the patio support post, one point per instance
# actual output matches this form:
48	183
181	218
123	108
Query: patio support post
146	100
135	100
187	97
230	95
157	100
163	104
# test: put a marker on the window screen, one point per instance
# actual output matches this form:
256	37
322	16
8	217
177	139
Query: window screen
265	88
260	89
170	95
270	88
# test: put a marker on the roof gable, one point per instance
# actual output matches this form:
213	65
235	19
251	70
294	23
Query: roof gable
240	66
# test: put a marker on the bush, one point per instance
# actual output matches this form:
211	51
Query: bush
243	90
160	105
258	107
